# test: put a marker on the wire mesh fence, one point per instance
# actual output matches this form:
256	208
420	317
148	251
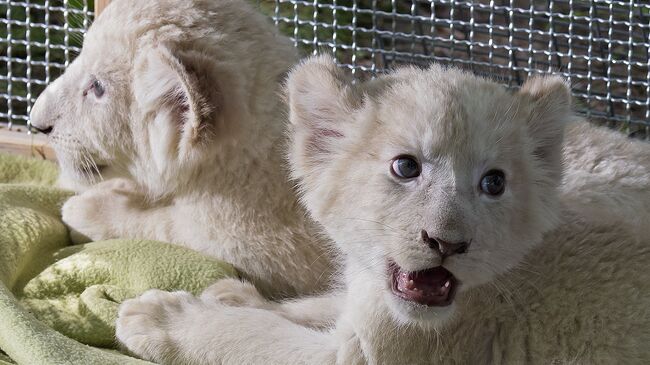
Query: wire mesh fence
601	46
38	39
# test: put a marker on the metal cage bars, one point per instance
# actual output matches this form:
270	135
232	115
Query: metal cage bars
38	40
601	46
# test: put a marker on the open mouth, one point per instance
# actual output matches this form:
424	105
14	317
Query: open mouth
433	287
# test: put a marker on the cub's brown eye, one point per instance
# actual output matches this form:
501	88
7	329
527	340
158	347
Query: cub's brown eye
405	167
493	183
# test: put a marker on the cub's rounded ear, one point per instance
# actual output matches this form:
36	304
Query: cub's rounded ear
173	87
549	98
321	103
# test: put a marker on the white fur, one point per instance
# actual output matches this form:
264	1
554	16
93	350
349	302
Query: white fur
541	283
190	129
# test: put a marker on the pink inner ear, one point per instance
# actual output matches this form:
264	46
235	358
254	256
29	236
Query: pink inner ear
177	100
183	107
317	141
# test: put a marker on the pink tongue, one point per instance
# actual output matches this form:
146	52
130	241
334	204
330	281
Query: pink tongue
428	282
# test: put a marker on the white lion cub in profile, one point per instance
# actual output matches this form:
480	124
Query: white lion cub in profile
441	189
178	100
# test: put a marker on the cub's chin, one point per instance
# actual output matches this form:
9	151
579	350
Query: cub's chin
425	297
79	178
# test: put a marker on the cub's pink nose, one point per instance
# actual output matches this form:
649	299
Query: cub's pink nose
444	248
43	114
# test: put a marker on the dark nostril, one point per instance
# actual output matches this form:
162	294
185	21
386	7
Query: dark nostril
429	241
444	248
47	130
449	248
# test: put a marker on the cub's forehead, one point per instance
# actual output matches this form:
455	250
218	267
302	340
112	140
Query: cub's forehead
125	22
116	37
440	109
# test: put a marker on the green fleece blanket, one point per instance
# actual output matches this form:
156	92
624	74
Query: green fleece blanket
58	302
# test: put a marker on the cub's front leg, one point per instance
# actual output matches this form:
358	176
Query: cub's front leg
179	328
318	312
113	209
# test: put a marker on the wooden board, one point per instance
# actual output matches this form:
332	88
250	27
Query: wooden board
34	145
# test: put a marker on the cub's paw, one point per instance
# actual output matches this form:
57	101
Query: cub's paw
90	215
83	216
237	293
143	325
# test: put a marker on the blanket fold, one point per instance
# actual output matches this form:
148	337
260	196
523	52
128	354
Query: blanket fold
58	302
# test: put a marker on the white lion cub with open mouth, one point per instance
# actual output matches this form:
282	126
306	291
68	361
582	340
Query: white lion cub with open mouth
442	190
